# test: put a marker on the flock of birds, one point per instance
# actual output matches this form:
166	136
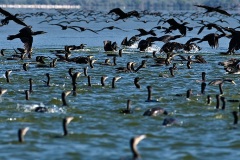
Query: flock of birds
145	39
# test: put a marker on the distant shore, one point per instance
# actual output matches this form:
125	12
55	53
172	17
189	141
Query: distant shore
40	6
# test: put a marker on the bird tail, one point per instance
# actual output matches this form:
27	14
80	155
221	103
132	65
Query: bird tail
11	37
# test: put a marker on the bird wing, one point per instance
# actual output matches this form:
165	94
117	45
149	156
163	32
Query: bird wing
92	30
72	27
18	21
6	13
223	12
201	29
203	6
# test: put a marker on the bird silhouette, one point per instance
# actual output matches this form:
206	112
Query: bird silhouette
26	36
214	9
9	17
123	15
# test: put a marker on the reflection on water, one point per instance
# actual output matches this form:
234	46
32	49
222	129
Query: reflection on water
98	130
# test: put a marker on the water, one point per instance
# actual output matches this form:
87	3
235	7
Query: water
98	130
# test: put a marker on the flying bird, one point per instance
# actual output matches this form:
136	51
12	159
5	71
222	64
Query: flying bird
9	17
214	9
25	35
123	15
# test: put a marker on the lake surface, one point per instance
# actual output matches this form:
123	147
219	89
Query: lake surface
98	130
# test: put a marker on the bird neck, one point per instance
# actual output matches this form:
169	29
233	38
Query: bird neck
65	131
134	149
149	93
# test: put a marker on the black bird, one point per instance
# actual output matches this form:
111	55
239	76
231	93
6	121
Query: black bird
133	145
210	26
149	99
235	116
65	123
131	41
84	29
212	39
103	78
65	27
123	15
155	111
21	133
219	81
143	32
109	46
144	44
9	17
169	121
174	25
64	95
136	82
25	35
165	38
214	9
128	110
114	80
234	43
111	28
7	74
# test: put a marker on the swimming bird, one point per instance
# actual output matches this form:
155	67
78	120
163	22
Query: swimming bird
21	133
136	82
114	80
203	86
214	9
89	81
217	101
103	79
218	81
75	76
133	146
65	123
149	99
25	65
235	117
30	85
122	15
169	121
27	94
48	79
223	102
128	110
142	65
9	17
7	74
2	91
189	93
64	95
209	99
25	35
155	111
220	88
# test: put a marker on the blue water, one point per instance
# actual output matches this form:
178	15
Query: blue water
98	130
